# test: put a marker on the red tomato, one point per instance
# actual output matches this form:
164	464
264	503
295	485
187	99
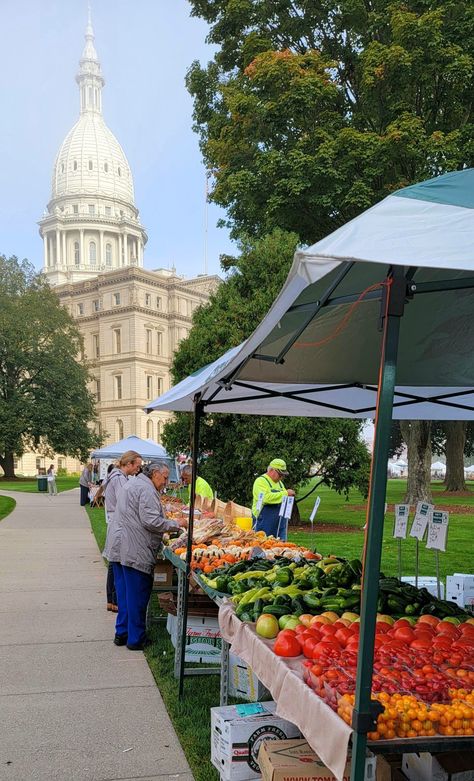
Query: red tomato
420	645
308	646
343	636
287	644
381	627
405	634
328	630
401	622
446	628
421	635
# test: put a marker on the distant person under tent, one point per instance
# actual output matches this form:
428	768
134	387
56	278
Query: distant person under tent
268	494
203	488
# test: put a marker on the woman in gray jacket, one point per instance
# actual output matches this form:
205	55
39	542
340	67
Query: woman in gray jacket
143	524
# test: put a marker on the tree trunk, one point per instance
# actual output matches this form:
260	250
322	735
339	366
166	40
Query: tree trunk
455	443
6	462
295	519
417	436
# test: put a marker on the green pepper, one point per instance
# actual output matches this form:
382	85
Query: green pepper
284	576
291	591
254	573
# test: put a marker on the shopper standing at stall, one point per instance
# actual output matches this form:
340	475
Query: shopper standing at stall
85	483
143	523
130	464
268	494
202	487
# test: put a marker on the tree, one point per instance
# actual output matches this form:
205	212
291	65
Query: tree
44	400
311	111
240	446
417	435
454	438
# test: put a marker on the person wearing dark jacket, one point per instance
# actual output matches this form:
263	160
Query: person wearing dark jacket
143	523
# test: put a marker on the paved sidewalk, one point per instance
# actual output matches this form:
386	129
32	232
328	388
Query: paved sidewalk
73	706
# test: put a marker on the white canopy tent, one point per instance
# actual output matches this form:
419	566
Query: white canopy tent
146	448
438	466
373	321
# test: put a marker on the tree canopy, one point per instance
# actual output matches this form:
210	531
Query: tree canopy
240	446
311	111
44	399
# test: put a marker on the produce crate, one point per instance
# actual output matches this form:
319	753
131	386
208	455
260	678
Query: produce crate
198	604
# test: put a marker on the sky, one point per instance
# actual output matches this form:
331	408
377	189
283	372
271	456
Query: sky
145	48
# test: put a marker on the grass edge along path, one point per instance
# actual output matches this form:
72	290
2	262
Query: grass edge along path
7	505
30	484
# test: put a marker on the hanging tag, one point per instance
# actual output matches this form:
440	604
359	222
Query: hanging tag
438	530
258	506
422	516
315	509
402	511
290	500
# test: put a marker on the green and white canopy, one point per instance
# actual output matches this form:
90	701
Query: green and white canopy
317	351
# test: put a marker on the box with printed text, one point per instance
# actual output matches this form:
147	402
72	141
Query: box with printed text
285	760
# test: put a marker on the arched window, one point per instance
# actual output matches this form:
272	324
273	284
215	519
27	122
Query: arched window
106	168
149	429
62	168
119	171
92	253
119	429
108	254
75	165
158	431
77	258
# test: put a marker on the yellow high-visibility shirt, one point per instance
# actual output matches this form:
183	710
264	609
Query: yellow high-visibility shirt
202	489
273	493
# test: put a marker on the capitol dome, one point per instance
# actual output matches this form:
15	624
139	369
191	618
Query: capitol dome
92	162
91	224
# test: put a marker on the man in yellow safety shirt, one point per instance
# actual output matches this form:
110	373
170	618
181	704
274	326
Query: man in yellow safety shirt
268	494
202	488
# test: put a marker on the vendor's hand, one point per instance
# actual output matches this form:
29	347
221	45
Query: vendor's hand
183	522
290	492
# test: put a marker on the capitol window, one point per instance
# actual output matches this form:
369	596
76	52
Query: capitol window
92	253
96	305
159	349
90	165
147	299
75	165
62	168
149	387
108	251
118	389
117	340
119	171
106	168
75	209
80	309
149	342
108	211
119	429
77	259
149	429
116	299
92	209
159	302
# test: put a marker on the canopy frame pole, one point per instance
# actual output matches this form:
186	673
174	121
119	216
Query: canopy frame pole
198	413
365	710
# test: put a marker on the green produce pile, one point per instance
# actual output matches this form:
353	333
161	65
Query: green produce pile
332	584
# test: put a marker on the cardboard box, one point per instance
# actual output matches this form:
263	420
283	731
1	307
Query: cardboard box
243	683
460	589
389	767
295	760
453	766
203	643
163	574
236	740
425	582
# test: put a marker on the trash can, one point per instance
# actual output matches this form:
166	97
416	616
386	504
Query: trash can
42	483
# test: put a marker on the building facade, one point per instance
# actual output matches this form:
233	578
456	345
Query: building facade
131	319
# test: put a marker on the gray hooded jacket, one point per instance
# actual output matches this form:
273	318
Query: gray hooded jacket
143	523
114	483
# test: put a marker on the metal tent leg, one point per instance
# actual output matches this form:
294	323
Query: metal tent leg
366	711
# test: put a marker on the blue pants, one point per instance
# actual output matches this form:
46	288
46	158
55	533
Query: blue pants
121	624
269	521
138	586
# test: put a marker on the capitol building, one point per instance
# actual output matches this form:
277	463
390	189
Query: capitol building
132	319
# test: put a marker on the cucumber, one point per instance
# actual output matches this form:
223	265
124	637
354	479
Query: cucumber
276	610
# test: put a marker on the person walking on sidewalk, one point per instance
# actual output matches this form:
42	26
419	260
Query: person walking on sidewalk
129	464
143	524
51	480
85	483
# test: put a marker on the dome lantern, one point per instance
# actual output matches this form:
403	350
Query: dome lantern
89	77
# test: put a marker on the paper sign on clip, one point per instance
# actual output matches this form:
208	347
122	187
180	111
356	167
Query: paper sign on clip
315	509
402	511
422	517
290	500
438	530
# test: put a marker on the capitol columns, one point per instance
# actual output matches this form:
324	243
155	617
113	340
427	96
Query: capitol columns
64	255
45	246
125	248
82	259
58	247
101	249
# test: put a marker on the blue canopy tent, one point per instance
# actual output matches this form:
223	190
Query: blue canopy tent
376	320
149	451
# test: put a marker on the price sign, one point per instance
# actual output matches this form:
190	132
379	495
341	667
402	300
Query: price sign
438	530
258	507
283	507
402	511
290	500
315	509
422	516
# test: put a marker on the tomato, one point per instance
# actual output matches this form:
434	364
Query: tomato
446	628
327	630
420	635
343	636
308	646
402	622
420	645
432	620
405	634
287	644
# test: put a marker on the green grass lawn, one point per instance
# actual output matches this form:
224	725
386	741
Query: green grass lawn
98	524
30	484
7	504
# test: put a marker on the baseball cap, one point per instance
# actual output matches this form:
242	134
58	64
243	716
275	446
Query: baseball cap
279	465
